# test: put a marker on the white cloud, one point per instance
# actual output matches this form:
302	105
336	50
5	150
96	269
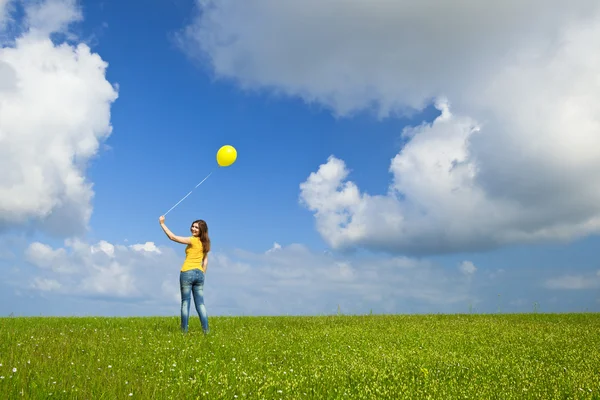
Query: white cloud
351	55
44	256
516	158
49	16
148	247
276	246
105	270
467	268
103	246
439	199
54	113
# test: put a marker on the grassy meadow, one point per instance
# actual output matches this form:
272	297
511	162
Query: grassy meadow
538	356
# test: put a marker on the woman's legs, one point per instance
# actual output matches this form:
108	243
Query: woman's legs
198	290
186	280
192	282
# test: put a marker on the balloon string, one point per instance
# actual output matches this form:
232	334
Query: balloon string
190	192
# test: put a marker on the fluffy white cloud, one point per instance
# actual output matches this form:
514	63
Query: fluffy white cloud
49	16
351	55
44	256
433	204
139	271
442	198
54	113
467	268
149	247
515	153
276	246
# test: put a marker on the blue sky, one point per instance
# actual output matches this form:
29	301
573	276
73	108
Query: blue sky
382	166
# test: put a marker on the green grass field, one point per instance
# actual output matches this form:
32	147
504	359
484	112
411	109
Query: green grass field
540	356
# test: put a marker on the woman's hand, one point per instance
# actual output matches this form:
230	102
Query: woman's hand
161	219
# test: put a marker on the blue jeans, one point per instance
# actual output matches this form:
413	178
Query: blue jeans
192	281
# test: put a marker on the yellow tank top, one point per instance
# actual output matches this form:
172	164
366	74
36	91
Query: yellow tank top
193	255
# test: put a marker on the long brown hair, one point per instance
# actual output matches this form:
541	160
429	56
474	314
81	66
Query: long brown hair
203	228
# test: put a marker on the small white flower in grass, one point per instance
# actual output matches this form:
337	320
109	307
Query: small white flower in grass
2	377
110	366
130	394
14	370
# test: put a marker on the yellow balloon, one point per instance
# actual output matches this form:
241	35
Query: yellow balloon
226	156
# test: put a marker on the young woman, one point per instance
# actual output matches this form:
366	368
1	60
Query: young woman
193	270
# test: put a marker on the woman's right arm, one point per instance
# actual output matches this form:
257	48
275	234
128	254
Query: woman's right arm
170	235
